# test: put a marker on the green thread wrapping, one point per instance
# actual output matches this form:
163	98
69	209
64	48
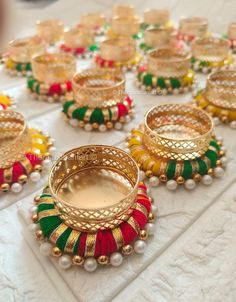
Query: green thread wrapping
187	170
79	113
67	105
170	173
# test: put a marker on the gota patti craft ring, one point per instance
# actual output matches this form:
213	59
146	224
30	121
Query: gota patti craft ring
232	36
192	28
95	22
24	152
219	97
80	42
100	101
51	31
158	18
20	52
118	53
176	146
158	38
211	54
167	72
95	210
52	75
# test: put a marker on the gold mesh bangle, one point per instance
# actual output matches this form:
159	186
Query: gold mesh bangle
53	68
99	88
81	160
23	50
156	16
50	31
193	26
179	132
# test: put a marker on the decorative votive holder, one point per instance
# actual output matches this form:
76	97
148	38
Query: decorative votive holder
219	97
211	54
114	222
176	146
167	72
95	22
20	53
52	75
79	42
158	18
192	28
24	152
100	101
119	53
158	38
51	31
126	26
123	10
6	101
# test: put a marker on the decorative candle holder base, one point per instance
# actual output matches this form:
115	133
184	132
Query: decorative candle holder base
209	66
80	52
17	69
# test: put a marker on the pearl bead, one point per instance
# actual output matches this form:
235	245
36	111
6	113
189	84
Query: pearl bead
190	184
171	185
207	180
45	248
116	259
47	163
218	172
154	181
90	264
65	261
73	122
16	187
88	127
139	246
150	228
233	124
154	209
102	128
52	151
127	119
118	126
224	161
33	227
33	209
216	121
50	99
175	91
35	176
204	69
142	175
164	92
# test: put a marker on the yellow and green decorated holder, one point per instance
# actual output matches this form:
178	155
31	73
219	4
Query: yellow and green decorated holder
218	98
211	54
19	54
176	146
167	72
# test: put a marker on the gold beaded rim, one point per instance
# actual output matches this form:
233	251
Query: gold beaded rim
179	132
15	140
53	68
94	157
210	49
99	87
168	62
221	89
